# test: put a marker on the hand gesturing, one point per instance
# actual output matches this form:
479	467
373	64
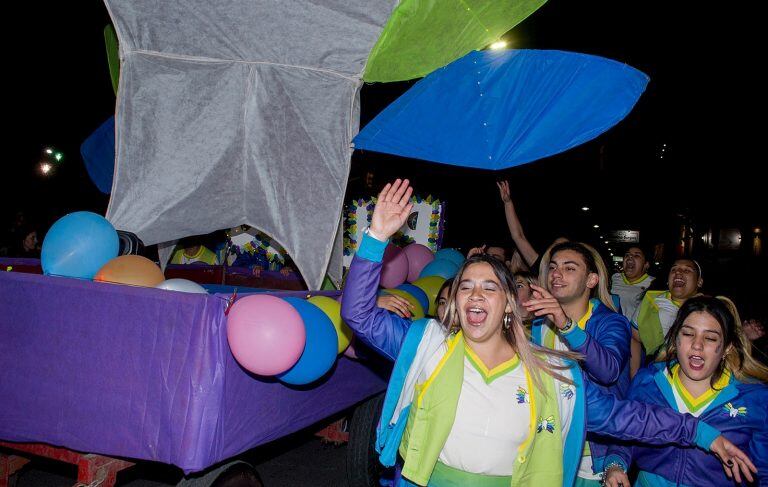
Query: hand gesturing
392	209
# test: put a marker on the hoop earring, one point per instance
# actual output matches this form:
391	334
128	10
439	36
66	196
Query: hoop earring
507	321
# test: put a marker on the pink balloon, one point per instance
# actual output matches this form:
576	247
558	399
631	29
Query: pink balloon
265	333
394	270
418	256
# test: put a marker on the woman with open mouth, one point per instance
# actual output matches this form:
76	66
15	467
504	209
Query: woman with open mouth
705	369
658	309
470	400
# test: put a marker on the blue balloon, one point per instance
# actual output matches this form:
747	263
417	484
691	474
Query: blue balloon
78	245
417	293
440	267
321	348
451	254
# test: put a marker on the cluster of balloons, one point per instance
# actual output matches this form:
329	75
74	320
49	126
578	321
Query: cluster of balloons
85	245
294	339
416	274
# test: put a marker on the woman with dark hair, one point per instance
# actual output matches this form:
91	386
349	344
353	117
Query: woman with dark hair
705	369
470	400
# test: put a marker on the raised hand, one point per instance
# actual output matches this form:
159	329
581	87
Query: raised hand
544	303
475	251
735	462
504	191
392	209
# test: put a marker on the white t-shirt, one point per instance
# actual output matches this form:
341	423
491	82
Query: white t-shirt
630	294
492	420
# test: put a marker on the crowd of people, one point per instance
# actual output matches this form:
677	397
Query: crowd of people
545	369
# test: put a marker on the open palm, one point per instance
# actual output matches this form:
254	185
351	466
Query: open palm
392	209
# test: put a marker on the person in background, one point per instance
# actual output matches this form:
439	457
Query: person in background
25	243
658	309
191	251
630	286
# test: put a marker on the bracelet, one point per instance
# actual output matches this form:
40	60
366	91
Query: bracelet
611	465
567	327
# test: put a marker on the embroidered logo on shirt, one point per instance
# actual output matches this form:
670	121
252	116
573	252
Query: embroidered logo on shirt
522	396
566	391
546	424
733	411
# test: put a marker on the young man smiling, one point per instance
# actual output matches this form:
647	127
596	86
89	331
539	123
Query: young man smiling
580	317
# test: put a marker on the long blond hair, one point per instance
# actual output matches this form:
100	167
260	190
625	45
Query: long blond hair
738	349
536	359
593	262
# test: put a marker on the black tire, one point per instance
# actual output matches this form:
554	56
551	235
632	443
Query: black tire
234	474
239	475
363	467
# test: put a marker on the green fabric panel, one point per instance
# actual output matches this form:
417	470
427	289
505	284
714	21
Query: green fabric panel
541	464
445	476
113	56
431	421
328	284
423	35
649	324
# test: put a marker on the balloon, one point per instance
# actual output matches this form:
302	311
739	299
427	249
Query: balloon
394	268
417	312
265	333
451	254
78	245
440	267
321	346
182	285
431	286
332	309
417	293
131	269
418	256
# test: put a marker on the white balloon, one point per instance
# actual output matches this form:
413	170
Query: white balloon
182	285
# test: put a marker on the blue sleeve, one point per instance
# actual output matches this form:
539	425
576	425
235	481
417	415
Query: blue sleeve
638	421
758	451
378	328
607	352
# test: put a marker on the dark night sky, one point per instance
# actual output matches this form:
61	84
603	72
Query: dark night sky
702	85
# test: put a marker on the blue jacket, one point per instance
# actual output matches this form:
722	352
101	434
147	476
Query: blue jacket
604	342
599	412
667	466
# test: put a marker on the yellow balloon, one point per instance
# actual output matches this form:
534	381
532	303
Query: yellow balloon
431	286
332	309
417	311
